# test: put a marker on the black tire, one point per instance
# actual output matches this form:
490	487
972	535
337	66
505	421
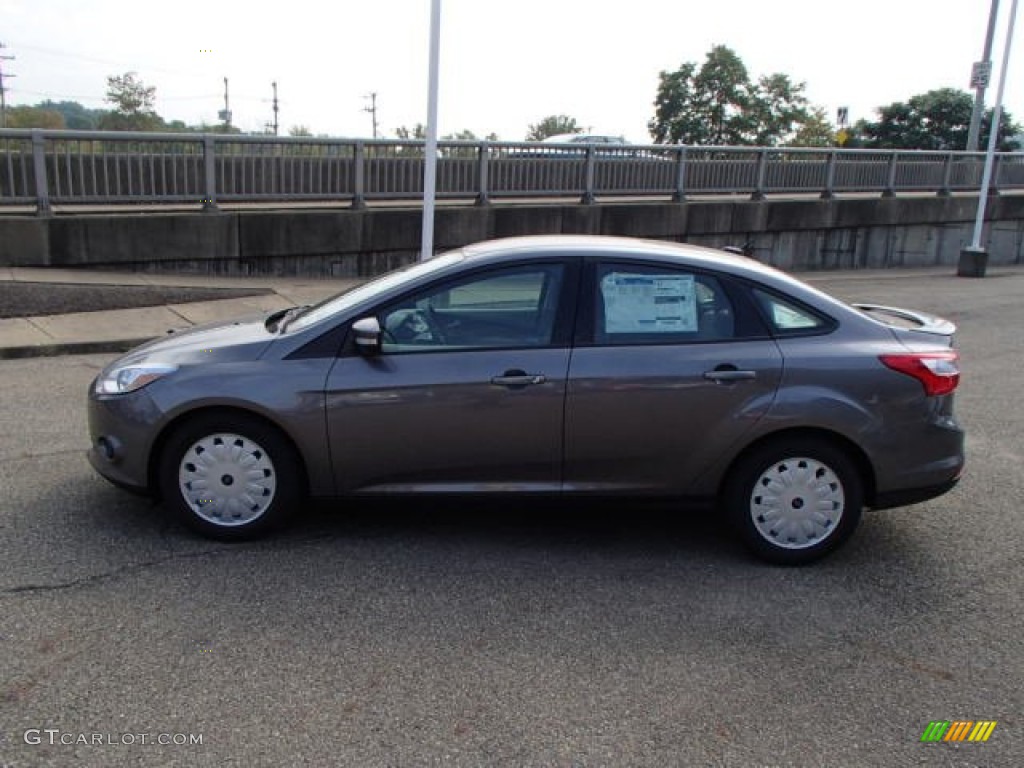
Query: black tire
242	449
767	489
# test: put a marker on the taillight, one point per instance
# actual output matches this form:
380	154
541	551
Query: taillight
938	372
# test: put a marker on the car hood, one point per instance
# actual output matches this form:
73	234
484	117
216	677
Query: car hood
245	338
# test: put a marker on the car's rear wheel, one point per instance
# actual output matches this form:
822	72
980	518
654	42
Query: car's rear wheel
229	476
795	500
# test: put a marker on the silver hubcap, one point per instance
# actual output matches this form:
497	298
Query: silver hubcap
227	479
797	503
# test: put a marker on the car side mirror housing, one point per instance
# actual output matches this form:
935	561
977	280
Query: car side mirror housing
367	335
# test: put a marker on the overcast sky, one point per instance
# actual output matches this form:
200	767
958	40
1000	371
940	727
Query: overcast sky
504	63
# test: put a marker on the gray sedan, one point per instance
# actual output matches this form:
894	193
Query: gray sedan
557	365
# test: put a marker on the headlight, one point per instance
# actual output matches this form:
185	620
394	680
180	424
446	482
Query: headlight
119	381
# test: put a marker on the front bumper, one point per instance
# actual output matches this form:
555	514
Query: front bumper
121	429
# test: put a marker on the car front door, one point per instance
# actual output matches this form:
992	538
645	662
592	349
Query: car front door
467	392
672	369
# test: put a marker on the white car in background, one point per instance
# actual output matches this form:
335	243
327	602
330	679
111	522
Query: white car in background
583	138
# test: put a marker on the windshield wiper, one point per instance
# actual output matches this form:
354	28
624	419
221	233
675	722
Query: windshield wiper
272	319
290	315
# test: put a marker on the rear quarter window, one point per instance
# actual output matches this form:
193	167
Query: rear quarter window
787	318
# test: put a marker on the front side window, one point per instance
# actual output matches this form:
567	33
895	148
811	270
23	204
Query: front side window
637	304
503	308
344	301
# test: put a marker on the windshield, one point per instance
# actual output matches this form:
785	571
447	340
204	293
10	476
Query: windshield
359	294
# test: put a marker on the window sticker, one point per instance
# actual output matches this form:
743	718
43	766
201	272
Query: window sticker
649	303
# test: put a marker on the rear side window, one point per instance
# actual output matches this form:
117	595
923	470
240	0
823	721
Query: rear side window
786	317
638	304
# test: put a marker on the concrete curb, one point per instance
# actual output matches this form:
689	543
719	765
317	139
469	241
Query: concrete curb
71	348
105	331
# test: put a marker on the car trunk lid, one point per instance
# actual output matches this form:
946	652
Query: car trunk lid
907	324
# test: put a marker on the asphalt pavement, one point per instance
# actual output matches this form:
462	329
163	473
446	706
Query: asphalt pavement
609	634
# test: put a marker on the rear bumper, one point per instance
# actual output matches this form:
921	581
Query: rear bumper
920	464
907	496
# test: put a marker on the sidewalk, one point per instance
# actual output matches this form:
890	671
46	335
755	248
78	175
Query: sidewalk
121	329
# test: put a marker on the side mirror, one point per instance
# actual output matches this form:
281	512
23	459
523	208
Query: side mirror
367	335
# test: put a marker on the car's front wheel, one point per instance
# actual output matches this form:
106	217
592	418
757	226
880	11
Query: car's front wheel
229	476
795	500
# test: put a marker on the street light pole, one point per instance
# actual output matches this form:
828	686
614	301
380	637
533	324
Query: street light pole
982	80
430	160
974	260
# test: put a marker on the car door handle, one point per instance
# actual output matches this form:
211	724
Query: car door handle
729	374
518	379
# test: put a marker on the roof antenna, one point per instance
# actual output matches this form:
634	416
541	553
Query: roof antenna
747	249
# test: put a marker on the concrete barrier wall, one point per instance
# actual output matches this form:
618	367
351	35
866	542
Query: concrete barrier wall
795	235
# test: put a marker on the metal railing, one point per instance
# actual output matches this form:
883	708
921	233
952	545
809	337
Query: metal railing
43	168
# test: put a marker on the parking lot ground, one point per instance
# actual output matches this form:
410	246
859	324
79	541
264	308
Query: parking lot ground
611	634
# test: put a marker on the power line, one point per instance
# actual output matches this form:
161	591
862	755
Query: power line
98	99
109	62
55	96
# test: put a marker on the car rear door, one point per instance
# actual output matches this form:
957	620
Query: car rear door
468	391
672	368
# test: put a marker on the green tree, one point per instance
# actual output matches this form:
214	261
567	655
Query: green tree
76	117
553	125
780	108
815	131
133	105
417	133
464	135
300	131
467	135
205	127
33	117
719	104
939	119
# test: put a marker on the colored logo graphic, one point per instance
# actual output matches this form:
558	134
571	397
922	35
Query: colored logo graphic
958	730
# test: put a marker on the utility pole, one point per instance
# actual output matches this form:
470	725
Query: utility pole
974	258
3	88
430	161
274	84
372	109
980	73
225	114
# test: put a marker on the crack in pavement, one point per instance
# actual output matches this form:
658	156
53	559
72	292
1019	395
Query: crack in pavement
26	455
116	572
134	567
